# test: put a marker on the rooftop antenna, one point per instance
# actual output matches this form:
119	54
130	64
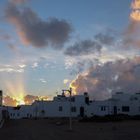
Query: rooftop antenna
63	92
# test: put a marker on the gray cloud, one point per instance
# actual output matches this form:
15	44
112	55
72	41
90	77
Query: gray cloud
32	30
105	39
83	48
92	46
102	81
18	1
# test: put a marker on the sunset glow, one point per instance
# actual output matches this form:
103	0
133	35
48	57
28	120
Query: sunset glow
20	101
135	15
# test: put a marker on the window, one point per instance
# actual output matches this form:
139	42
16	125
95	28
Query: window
60	108
103	108
18	114
73	109
87	100
43	111
125	109
139	109
28	115
135	98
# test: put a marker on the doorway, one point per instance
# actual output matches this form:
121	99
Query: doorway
115	110
82	111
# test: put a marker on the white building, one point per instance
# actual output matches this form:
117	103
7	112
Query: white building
120	103
58	107
78	106
23	111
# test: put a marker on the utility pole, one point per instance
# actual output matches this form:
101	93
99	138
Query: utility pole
70	115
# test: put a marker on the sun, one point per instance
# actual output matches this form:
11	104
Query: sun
20	102
20	99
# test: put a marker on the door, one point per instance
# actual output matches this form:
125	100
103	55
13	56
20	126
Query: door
82	110
115	110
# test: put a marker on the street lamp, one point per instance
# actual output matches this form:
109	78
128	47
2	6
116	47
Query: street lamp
70	116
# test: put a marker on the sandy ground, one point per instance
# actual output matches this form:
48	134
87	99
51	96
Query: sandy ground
48	130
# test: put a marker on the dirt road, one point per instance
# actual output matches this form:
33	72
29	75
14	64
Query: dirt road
48	130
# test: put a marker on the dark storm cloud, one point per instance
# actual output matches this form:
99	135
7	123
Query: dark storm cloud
32	30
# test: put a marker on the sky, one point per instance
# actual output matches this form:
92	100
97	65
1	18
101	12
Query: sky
49	45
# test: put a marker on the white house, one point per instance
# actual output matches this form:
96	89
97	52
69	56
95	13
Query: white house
60	106
23	111
120	103
78	106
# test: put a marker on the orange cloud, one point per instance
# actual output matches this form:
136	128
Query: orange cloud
9	101
26	100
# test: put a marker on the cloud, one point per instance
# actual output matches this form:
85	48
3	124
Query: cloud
12	47
105	38
35	65
22	66
42	80
66	81
83	48
102	81
69	62
132	33
11	70
9	101
18	1
32	30
5	37
8	39
94	45
28	100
